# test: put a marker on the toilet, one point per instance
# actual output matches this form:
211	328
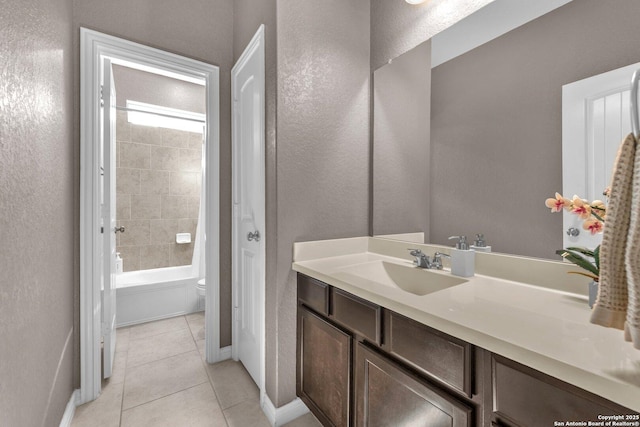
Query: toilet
201	291
201	288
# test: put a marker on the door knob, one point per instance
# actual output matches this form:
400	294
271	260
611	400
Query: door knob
119	229
573	232
253	236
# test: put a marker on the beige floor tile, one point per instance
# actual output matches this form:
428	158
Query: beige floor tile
160	346
307	420
247	413
122	339
119	368
157	327
102	412
161	378
194	407
196	324
232	383
201	348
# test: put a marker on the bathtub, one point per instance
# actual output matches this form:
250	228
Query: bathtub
146	295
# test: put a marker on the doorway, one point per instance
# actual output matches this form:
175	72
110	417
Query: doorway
97	211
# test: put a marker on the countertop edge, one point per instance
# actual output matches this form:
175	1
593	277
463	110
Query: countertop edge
621	393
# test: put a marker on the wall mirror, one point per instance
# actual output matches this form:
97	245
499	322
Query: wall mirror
488	146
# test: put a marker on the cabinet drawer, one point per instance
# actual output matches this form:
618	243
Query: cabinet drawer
434	353
313	293
356	314
388	395
526	397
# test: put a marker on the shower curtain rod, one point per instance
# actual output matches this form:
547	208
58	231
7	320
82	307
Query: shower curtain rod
171	116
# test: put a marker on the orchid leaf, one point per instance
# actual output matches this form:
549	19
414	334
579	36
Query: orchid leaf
575	258
582	250
596	257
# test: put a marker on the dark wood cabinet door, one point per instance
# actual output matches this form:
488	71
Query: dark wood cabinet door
525	397
388	395
324	369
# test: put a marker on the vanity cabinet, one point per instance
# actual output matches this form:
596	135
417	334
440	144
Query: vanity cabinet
359	364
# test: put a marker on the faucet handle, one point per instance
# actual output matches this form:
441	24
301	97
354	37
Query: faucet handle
414	252
437	260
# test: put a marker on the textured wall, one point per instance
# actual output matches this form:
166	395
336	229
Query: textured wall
496	130
401	128
38	220
323	147
247	17
397	26
200	29
158	179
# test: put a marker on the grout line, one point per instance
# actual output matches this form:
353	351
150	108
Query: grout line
161	397
165	358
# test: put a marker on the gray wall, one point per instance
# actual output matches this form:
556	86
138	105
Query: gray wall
496	130
323	149
247	17
203	30
38	221
397	27
401	104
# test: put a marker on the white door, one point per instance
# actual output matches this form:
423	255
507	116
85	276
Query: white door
595	117
247	81
108	144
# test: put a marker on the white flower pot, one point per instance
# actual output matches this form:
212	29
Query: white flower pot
593	293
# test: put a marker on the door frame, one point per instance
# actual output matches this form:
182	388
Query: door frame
93	46
255	46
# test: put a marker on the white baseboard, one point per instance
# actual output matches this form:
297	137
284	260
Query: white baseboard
225	353
70	410
284	414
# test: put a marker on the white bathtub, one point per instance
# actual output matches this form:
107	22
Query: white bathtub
146	295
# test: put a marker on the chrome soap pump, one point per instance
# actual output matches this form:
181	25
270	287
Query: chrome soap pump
462	258
480	245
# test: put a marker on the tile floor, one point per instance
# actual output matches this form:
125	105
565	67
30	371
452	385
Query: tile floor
160	378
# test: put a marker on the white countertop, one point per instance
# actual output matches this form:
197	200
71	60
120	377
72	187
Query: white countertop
543	328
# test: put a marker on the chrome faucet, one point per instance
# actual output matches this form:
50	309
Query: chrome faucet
437	260
422	259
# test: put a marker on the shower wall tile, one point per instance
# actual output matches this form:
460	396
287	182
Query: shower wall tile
146	206
136	156
174	207
127	181
158	194
136	232
130	257
184	183
175	138
123	206
182	254
155	182
146	135
163	231
155	256
187	225
165	158
123	128
195	141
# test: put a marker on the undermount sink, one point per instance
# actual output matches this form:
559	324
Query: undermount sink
410	279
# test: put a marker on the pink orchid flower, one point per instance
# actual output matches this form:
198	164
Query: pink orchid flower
593	225
581	207
557	204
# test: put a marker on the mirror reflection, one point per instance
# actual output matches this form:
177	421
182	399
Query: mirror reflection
492	151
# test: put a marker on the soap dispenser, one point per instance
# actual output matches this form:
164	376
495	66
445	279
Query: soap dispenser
480	245
462	258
